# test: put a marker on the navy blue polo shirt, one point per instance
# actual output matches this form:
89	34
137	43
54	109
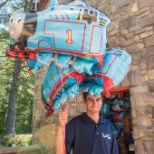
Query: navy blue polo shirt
87	137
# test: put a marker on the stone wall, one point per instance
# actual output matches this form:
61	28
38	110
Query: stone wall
35	149
132	29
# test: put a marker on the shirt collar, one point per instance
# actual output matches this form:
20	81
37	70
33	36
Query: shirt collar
88	120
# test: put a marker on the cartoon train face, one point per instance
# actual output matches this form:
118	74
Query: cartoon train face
74	29
22	27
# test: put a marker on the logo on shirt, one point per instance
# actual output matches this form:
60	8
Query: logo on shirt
106	136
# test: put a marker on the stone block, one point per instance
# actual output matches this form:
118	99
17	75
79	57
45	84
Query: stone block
143	64
124	31
138	101
150	132
81	108
143	3
142	100
143	73
47	135
150	28
144	78
72	112
138	39
133	48
126	81
123	3
143	122
134	8
128	22
139	31
136	58
151	74
150	63
148	51
149	147
34	149
146	34
139	147
114	32
111	27
141	89
135	78
36	124
147	21
138	133
140	45
113	41
134	28
134	113
141	11
148	98
143	14
151	86
123	42
144	111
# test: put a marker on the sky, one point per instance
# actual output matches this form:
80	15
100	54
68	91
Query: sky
4	11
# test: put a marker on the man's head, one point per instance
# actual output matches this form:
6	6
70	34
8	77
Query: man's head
93	103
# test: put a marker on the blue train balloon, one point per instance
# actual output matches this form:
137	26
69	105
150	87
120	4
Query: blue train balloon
71	40
73	29
60	85
115	67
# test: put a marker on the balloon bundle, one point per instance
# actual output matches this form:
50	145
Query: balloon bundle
113	109
71	40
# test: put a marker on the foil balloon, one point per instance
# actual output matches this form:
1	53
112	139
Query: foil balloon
74	29
60	85
114	111
71	40
115	67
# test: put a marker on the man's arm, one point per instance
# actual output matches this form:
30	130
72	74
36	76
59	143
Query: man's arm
60	139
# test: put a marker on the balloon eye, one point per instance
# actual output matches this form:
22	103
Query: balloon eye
71	9
11	19
18	20
91	12
52	8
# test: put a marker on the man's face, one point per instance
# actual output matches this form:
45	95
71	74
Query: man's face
93	103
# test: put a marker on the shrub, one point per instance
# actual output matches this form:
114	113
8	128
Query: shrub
14	141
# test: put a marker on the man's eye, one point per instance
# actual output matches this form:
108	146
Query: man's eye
89	100
99	99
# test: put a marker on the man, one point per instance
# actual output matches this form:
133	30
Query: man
87	133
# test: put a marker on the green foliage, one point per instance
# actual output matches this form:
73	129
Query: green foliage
26	84
14	141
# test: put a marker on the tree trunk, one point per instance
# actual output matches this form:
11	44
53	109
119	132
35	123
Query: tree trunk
11	116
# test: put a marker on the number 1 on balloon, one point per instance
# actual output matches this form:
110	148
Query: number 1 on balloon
69	40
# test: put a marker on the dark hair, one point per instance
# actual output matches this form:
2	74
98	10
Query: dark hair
86	93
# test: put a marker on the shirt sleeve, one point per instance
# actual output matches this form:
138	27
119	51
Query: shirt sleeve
70	133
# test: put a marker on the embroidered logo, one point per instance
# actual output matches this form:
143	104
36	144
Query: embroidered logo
106	136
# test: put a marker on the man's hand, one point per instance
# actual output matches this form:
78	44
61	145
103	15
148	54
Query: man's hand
63	117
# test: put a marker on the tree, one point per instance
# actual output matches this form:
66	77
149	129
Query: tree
11	116
15	83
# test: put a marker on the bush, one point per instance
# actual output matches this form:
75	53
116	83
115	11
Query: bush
14	141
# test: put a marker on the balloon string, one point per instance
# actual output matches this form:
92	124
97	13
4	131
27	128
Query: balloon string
64	140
